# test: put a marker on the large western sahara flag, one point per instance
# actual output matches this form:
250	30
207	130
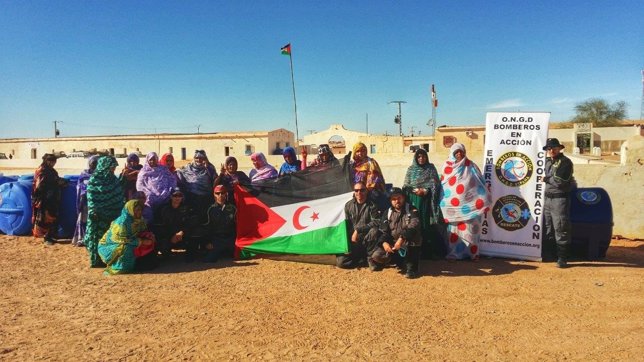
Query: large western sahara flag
300	213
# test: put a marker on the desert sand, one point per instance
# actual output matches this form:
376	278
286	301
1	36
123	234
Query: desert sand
54	307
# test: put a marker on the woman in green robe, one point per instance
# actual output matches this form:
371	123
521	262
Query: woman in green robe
126	240
422	188
104	203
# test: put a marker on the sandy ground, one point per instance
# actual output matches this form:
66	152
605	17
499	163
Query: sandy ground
54	307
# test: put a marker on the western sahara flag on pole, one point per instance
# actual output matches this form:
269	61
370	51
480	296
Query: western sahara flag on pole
300	213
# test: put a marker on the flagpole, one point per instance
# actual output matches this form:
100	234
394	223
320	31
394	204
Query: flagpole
434	106
297	133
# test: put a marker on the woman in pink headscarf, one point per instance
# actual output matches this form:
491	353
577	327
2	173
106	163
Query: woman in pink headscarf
263	170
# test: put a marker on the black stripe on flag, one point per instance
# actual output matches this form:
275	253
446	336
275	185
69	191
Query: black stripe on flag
309	184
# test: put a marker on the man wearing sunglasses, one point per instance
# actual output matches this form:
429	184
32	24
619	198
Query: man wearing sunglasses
362	229
556	208
221	226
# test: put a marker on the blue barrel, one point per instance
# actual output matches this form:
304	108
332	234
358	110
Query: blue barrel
26	179
5	179
15	208
591	216
68	214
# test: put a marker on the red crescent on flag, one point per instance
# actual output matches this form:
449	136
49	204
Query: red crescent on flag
296	217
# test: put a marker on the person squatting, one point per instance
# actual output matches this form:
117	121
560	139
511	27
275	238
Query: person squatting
131	222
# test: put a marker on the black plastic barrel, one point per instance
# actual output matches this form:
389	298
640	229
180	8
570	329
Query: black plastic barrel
68	214
591	215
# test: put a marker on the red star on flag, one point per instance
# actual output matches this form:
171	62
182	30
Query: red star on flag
315	216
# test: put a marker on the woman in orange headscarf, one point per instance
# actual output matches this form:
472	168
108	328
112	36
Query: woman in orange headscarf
366	170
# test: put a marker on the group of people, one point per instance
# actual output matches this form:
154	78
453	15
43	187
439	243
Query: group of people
129	222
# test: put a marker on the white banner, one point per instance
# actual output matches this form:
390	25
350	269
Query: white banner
514	166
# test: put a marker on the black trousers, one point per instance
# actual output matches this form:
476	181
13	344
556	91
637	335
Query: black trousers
557	228
407	263
358	253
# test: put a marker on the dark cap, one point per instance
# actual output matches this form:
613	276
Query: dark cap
552	143
177	191
49	157
396	191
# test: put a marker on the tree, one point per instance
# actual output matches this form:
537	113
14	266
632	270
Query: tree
598	112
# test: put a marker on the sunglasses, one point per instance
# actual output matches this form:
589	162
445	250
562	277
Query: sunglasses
359	190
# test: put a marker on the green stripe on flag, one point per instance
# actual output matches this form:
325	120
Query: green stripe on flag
331	240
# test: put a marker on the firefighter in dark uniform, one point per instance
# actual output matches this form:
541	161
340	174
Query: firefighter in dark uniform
401	238
556	209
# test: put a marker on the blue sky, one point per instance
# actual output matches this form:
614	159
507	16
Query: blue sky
115	67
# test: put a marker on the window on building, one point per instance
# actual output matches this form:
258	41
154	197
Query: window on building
112	151
372	148
124	151
183	153
170	149
249	150
33	154
227	151
287	144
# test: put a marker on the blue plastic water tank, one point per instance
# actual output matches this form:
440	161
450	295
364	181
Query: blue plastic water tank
15	208
591	216
67	215
4	179
26	179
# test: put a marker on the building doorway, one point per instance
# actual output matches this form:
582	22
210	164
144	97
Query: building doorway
583	142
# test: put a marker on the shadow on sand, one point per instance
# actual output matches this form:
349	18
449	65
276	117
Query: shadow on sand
483	267
617	256
177	264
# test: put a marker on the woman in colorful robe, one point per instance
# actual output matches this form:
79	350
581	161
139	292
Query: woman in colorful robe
45	199
422	188
229	176
130	174
126	244
367	170
465	200
291	163
157	182
263	170
104	203
81	201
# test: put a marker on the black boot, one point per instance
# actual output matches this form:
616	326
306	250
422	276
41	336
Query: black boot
562	252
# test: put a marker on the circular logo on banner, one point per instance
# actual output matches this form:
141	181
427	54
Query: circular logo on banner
588	197
511	212
514	169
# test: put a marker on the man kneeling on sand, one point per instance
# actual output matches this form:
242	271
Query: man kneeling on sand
363	219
